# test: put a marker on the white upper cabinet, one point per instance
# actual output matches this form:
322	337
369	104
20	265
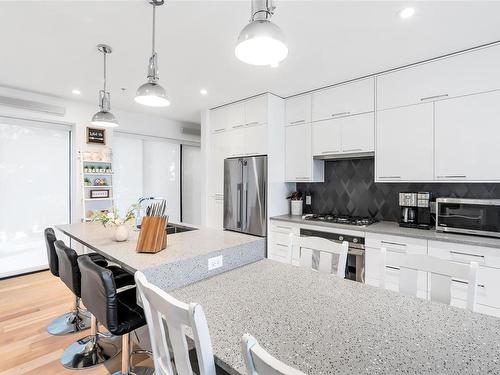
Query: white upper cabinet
326	137
467	138
299	163
467	73
404	144
256	140
358	134
298	110
235	115
256	111
344	100
218	120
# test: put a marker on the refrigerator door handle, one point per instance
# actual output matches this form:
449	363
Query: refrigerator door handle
246	203
238	206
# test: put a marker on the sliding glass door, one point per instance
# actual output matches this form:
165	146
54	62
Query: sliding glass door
146	166
34	191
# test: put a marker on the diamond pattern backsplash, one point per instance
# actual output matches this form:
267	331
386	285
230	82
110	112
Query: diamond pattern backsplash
349	189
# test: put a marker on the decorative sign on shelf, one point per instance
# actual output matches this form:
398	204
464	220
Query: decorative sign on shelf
96	136
99	193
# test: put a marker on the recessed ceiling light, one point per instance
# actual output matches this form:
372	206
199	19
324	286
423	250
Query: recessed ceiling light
203	92
406	13
76	92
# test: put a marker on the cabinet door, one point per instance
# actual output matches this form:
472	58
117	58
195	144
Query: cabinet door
298	110
467	137
343	100
404	150
236	142
218	119
468	73
358	133
219	151
298	157
256	140
215	212
326	137
256	111
235	116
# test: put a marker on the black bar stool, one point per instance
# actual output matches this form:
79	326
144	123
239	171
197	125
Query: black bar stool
95	349
77	319
117	310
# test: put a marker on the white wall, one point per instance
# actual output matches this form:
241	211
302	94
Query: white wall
78	115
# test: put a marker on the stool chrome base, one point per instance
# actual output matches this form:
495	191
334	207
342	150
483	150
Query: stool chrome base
89	351
72	322
138	371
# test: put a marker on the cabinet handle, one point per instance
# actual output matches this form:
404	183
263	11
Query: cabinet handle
219	130
434	97
452	176
340	114
393	243
389	176
237	126
302	178
393	268
283	227
252	123
465	282
466	254
297	122
329	152
281	245
353	149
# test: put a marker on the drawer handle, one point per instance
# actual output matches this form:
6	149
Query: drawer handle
302	178
297	122
452	176
389	177
393	243
466	283
434	97
281	245
466	254
340	114
393	268
354	149
219	130
252	123
329	152
237	126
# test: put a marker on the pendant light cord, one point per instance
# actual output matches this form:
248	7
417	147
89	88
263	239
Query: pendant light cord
105	71
154	29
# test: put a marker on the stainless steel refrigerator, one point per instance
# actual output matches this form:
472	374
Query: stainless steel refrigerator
245	184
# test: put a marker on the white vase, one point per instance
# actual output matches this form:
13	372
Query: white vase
121	233
296	207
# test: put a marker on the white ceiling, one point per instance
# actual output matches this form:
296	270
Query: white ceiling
49	46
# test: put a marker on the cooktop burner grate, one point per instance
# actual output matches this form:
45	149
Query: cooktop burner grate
341	219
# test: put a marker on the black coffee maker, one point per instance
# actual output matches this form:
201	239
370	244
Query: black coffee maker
415	210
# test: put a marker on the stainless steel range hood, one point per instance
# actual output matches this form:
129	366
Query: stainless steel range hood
353	155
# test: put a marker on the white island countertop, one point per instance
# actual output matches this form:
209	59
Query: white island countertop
185	259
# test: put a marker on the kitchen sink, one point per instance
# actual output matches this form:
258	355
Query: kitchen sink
178	228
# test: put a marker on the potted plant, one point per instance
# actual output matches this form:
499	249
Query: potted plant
87	182
113	219
295	203
108	169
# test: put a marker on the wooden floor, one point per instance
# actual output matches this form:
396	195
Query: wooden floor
27	305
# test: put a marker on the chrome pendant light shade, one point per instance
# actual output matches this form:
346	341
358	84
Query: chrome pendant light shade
261	42
104	117
152	93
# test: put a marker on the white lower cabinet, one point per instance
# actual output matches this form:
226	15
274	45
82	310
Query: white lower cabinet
393	245
215	211
279	240
488	298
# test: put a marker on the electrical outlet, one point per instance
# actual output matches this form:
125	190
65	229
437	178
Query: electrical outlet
215	262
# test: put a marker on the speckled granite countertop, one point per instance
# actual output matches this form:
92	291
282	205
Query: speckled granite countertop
393	229
180	246
324	325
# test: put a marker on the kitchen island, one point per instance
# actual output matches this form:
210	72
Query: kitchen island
186	258
321	324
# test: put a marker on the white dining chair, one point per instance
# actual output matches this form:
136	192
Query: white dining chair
326	250
160	309
442	273
259	362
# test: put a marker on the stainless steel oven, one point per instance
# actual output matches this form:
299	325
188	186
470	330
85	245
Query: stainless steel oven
468	216
355	268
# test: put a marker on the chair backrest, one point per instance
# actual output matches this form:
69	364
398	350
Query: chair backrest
50	238
69	272
161	307
326	250
259	362
99	294
442	273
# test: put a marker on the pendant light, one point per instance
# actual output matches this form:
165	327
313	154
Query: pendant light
104	117
261	42
152	93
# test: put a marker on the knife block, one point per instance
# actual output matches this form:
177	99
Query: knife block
153	236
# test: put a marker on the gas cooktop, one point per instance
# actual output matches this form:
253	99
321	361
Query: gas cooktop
341	219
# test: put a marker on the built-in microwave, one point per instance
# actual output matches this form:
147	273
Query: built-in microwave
468	216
